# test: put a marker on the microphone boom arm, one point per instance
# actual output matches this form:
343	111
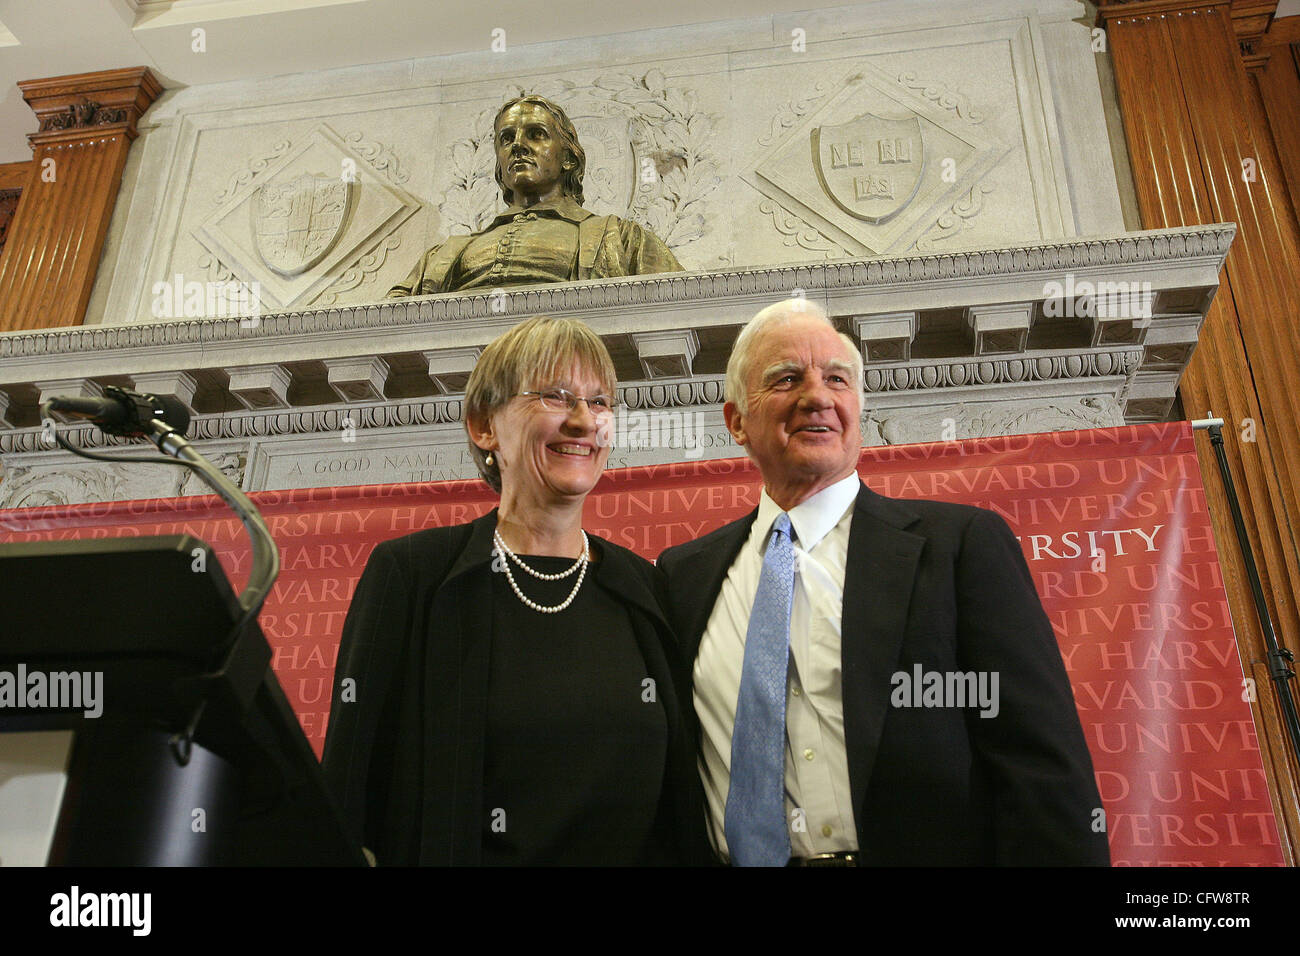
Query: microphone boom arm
266	556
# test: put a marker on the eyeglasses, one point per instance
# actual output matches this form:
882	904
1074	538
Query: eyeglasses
563	400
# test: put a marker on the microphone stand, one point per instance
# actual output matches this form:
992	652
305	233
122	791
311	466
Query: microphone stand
266	556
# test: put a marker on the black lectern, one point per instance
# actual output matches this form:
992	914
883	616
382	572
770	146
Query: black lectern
195	757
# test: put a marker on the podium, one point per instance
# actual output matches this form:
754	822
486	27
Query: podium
184	749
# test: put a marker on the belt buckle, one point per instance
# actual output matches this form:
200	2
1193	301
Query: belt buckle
843	858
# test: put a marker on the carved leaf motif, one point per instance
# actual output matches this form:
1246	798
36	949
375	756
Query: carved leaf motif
360	271
378	155
797	231
255	166
462	160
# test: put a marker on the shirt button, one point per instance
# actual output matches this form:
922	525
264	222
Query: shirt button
796	691
808	754
826	829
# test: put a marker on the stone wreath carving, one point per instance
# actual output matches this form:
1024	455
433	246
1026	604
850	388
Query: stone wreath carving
665	127
29	487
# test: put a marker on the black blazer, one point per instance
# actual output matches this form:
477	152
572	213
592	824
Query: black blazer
404	758
945	586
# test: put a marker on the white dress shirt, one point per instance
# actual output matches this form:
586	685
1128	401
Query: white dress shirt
818	804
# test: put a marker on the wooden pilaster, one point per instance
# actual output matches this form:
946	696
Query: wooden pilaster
51	253
1200	154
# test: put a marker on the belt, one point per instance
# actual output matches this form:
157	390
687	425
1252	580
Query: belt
843	858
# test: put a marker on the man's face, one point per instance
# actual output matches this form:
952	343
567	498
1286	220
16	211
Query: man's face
530	155
801	426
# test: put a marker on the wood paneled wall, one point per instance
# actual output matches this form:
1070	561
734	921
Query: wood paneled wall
1202	152
13	177
49	260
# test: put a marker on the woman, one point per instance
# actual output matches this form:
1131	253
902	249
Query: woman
505	689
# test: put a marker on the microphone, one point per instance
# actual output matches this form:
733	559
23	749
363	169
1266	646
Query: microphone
124	413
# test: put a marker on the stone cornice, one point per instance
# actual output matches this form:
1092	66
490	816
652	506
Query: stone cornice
954	377
1025	367
1200	245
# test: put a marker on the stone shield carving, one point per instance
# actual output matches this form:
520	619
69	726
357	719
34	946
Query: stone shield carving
296	222
871	166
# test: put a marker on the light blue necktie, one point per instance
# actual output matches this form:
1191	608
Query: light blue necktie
755	819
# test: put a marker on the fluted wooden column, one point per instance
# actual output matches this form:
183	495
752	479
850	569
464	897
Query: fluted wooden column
1276	73
87	122
1199	156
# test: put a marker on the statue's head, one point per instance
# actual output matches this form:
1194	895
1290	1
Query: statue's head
557	157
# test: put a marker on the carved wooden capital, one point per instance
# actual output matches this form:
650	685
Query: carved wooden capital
82	105
1109	10
1250	18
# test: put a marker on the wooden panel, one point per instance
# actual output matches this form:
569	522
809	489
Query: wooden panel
8	205
1278	86
14	175
87	122
61	225
1186	115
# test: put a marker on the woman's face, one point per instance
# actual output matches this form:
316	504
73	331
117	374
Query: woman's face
552	454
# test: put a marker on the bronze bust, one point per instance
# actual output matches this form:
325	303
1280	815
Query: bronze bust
545	235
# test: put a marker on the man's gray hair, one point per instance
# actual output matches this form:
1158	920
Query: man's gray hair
735	388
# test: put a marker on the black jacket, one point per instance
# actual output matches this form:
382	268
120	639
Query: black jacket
945	586
404	759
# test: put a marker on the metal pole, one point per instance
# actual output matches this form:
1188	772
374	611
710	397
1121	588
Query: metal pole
1279	658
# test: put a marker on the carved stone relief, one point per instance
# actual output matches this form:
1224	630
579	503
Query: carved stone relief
60	483
902	426
27	486
292	219
877	164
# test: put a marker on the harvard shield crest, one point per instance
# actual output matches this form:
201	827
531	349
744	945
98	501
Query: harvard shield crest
870	166
295	223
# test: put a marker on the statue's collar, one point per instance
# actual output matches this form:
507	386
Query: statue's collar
562	208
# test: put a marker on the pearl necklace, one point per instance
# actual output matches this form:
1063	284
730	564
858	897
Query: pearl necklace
579	565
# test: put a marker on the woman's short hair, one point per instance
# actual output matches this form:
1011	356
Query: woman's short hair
571	179
735	386
534	353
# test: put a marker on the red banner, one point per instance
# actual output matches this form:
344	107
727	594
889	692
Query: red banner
1113	523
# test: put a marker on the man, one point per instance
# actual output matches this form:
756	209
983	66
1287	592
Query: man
545	235
807	751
